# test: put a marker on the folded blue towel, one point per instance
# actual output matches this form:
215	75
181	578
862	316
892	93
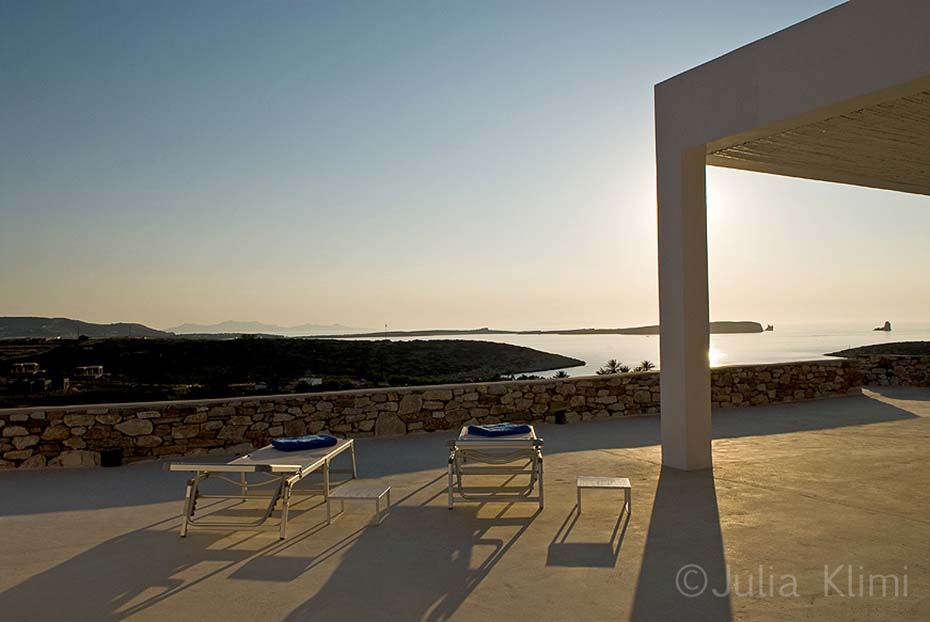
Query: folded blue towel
499	429
296	443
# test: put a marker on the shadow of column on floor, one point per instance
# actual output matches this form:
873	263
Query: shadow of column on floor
683	553
420	565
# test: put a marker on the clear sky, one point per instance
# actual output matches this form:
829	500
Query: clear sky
420	164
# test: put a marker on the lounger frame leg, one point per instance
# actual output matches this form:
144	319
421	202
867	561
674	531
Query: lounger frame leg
354	465
329	513
190	494
539	460
286	504
451	461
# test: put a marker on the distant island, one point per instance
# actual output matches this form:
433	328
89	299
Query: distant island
65	328
900	348
718	328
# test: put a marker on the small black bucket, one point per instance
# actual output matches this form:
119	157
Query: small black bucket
111	457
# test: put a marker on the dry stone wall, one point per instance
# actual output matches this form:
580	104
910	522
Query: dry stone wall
757	385
77	436
906	371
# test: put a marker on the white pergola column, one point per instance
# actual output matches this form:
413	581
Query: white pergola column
683	306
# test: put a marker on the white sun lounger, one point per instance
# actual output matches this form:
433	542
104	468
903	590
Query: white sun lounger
283	471
515	455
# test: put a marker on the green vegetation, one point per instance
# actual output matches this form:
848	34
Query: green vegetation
151	369
615	367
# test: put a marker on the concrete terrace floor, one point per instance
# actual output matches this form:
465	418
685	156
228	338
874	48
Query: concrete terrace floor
797	487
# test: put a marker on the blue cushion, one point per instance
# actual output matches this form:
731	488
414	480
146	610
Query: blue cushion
312	441
499	429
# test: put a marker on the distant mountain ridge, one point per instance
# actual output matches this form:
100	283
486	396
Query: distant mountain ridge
237	327
27	326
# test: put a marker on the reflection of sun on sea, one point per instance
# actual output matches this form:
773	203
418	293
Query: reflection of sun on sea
716	357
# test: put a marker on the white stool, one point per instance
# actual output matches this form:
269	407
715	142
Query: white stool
613	483
370	489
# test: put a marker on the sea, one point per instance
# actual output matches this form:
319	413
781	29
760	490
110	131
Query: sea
788	342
